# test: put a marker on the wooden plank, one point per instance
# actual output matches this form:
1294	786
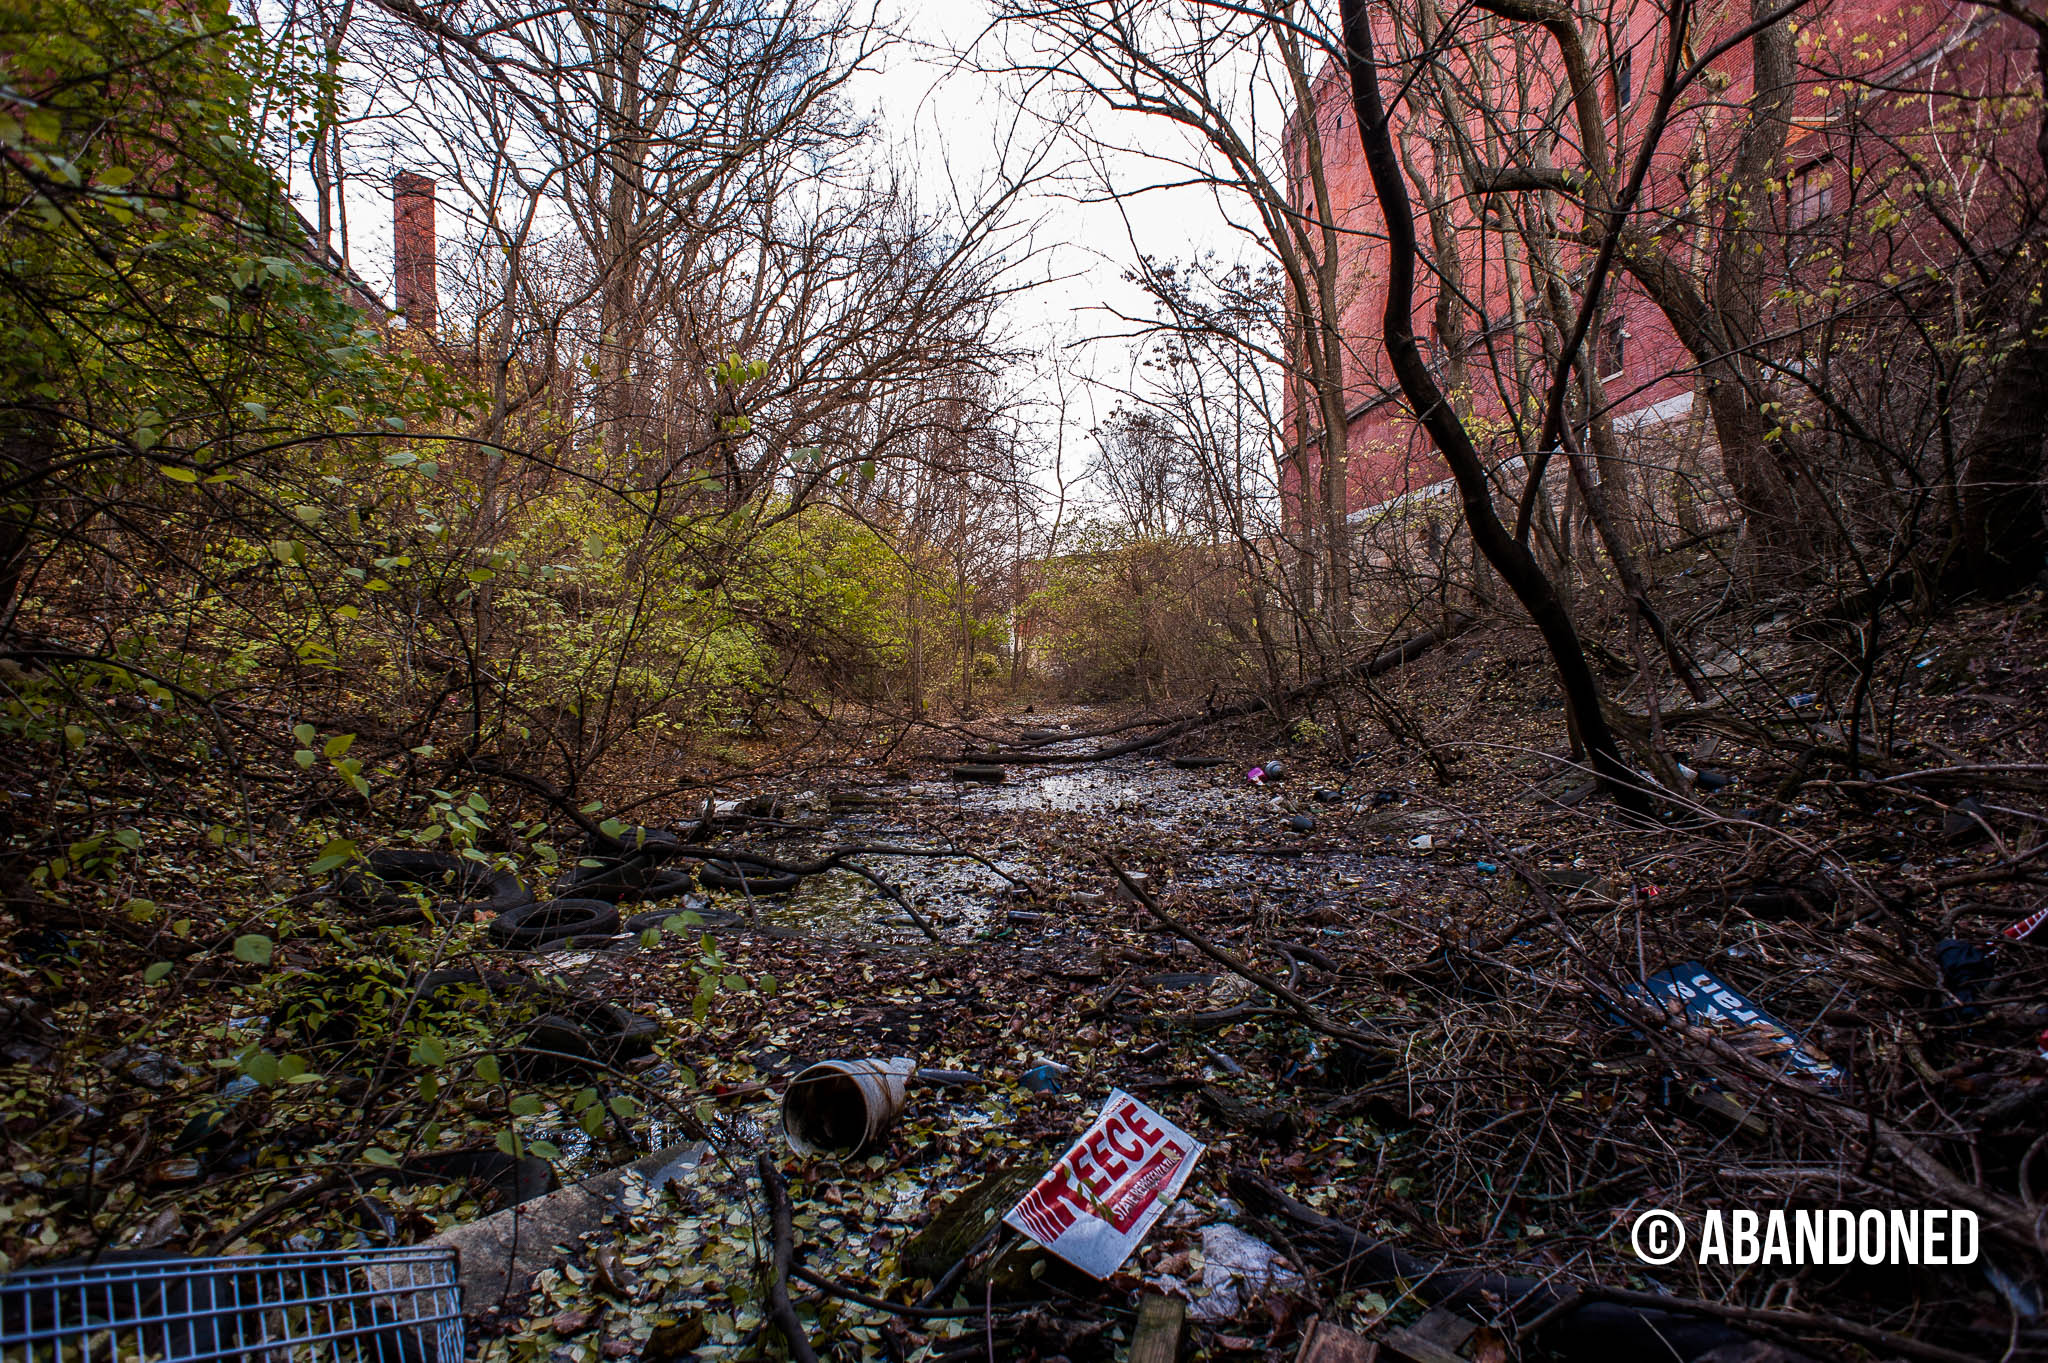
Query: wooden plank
1161	1322
1435	1338
1326	1343
961	1223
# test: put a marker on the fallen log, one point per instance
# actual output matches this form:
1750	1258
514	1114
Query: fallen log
1397	655
779	1308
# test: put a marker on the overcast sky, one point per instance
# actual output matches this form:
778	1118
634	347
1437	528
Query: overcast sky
955	126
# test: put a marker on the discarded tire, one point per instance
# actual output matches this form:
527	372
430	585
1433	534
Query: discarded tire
392	876
633	862
625	883
632	839
747	877
531	925
1198	763
513	1180
333	1005
605	1033
987	775
707	918
666	885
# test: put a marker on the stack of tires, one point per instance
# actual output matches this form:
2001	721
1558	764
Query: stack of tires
392	881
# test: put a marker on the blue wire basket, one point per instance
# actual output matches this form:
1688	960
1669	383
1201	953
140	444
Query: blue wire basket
387	1305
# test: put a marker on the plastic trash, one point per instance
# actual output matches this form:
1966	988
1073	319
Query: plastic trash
1235	1268
1803	699
1044	1076
1485	868
1706	1000
1422	842
842	1105
1302	823
1257	776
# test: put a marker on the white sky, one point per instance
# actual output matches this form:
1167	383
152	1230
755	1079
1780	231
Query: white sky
949	122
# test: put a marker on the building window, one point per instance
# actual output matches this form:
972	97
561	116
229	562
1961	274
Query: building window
1609	349
1809	198
1624	80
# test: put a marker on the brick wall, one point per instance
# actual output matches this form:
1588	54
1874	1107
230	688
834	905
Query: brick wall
1958	44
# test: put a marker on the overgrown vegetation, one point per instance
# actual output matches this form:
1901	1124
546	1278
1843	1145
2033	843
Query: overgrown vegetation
461	742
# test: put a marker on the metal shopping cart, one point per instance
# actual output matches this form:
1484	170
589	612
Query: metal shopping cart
362	1306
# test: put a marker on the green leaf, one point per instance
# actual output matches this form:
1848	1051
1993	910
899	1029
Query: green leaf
74	736
43	124
262	1067
487	1069
305	733
382	1158
523	1105
304	757
156	973
429	1052
611	828
338	745
174	473
336	852
545	1149
624	1108
254	948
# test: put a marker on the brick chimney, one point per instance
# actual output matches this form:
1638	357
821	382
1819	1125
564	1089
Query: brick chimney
415	285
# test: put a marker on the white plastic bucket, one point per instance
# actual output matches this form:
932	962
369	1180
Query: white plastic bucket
838	1106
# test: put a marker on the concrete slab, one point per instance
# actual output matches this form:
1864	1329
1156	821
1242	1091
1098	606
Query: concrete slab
500	1256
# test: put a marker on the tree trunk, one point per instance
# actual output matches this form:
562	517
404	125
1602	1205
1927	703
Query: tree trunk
1509	557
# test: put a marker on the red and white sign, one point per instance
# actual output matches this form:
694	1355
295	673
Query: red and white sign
2020	931
1100	1200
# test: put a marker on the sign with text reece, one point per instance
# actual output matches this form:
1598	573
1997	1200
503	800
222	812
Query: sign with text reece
1097	1203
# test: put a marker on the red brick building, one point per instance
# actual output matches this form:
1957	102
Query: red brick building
1873	79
